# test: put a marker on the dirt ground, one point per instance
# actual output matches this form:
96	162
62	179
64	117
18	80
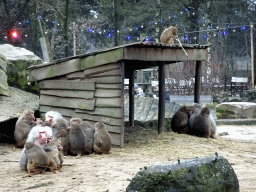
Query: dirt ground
113	172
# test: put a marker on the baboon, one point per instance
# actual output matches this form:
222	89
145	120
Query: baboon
58	125
197	107
179	121
89	132
84	124
201	124
77	139
102	139
213	127
23	127
37	158
39	136
169	35
62	135
75	119
54	151
51	117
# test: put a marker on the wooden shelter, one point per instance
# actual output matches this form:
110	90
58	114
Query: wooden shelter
91	86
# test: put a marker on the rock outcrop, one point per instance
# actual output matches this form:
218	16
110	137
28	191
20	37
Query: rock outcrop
14	62
200	174
236	110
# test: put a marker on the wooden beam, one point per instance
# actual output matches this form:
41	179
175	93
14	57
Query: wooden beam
161	106
108	93
108	86
122	100
107	112
67	85
86	104
197	82
101	58
115	72
69	93
163	54
107	80
131	98
53	70
76	75
108	102
101	69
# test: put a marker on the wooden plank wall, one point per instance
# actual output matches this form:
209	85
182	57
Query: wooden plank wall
94	94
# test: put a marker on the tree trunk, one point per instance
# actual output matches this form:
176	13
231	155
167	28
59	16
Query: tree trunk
66	29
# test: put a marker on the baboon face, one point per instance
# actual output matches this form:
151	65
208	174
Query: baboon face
76	119
60	124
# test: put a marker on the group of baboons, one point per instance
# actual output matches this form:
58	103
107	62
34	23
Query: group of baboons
194	120
45	142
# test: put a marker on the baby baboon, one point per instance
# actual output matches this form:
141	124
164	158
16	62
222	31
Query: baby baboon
23	126
37	158
62	135
179	121
89	132
102	139
53	150
77	139
201	124
169	35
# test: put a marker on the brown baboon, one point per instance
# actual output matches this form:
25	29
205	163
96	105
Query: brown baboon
37	158
77	139
62	135
197	107
201	124
23	126
38	135
179	121
75	119
102	139
58	125
169	35
89	132
53	150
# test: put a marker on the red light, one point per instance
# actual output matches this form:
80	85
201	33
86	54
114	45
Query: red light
15	34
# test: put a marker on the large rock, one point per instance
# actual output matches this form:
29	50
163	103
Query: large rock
198	175
14	62
4	89
236	110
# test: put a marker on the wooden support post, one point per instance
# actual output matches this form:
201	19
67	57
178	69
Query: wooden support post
161	105
252	56
131	98
197	81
